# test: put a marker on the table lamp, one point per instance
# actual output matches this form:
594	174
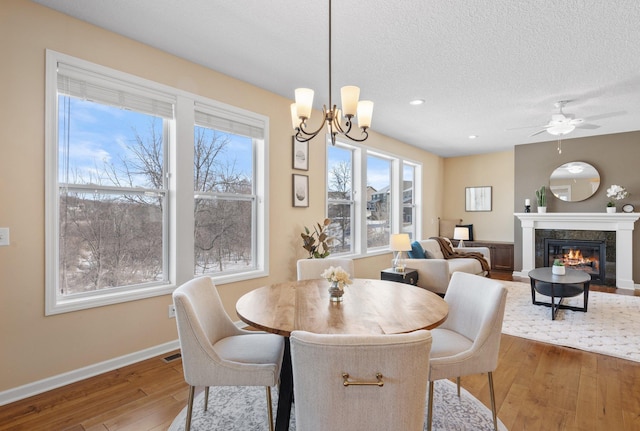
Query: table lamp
399	243
461	233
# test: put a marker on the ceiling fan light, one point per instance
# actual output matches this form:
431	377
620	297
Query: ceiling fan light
561	129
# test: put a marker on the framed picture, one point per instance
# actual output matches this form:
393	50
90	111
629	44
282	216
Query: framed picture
300	190
300	155
478	198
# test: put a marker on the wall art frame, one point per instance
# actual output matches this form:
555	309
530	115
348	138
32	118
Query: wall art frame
300	154
477	198
300	190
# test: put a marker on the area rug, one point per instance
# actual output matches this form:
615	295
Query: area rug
238	408
610	326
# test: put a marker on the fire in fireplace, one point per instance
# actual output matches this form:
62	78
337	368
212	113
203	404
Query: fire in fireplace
580	255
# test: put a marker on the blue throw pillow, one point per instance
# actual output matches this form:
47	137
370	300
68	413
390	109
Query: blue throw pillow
417	252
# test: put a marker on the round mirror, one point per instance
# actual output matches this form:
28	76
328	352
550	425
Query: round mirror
574	181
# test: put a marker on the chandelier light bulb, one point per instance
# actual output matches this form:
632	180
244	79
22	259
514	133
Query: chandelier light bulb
350	95
365	112
304	102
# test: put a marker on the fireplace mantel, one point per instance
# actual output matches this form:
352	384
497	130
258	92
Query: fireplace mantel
621	223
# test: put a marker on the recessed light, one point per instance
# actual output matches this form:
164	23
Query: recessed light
416	102
473	136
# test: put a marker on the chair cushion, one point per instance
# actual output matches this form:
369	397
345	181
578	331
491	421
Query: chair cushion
448	343
468	265
432	249
416	252
251	349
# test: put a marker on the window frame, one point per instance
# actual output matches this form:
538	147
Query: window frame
178	241
359	195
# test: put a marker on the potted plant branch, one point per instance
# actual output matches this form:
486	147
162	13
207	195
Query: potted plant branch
317	242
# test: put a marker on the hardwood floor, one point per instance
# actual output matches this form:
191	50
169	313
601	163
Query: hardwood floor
539	387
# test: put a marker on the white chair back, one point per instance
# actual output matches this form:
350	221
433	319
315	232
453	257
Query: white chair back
476	311
310	269
324	403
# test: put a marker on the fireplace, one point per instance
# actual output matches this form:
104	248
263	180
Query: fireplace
591	251
619	255
587	256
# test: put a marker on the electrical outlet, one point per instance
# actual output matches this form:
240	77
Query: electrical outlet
172	311
4	236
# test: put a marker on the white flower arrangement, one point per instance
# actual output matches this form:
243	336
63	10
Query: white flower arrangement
615	193
337	274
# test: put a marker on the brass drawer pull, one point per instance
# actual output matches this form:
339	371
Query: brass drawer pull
346	382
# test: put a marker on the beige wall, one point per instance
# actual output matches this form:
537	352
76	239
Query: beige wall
495	170
35	347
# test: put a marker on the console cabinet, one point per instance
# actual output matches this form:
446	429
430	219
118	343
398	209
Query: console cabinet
501	253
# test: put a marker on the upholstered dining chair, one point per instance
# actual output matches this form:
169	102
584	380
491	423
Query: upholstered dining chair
310	269
217	353
359	382
469	340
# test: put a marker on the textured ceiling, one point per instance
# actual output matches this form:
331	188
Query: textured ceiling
484	67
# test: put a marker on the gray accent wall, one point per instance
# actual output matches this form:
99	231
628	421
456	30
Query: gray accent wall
617	159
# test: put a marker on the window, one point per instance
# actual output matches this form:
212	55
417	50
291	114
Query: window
340	204
117	183
379	204
225	199
409	185
370	194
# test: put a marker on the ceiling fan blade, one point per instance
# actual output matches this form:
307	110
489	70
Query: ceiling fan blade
587	126
525	127
538	132
607	115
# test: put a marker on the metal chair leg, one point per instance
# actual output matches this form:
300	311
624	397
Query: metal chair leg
430	407
493	401
458	382
206	398
269	408
192	391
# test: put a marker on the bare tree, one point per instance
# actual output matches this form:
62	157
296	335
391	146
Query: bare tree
115	238
340	188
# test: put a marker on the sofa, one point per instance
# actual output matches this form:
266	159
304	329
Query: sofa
434	271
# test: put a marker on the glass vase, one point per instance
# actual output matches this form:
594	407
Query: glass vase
335	293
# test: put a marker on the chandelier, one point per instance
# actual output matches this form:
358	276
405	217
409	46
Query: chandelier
337	121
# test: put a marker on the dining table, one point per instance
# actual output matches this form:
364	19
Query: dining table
368	307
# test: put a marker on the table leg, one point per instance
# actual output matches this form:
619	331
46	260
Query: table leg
553	302
285	393
586	295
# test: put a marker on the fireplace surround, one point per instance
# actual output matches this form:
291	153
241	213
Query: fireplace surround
620	223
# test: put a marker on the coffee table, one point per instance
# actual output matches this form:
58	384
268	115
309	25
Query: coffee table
558	287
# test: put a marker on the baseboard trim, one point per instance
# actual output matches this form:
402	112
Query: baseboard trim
40	386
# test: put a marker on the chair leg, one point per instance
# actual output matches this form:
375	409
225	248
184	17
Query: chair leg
493	401
192	391
430	407
269	408
458	382
206	397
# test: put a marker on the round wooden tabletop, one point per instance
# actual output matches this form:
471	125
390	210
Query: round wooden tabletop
368	307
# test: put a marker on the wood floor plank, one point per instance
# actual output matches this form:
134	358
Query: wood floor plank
539	387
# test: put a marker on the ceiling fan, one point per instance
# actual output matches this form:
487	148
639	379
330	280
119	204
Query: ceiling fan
562	123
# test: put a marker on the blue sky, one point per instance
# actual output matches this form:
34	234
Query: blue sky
99	134
378	170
